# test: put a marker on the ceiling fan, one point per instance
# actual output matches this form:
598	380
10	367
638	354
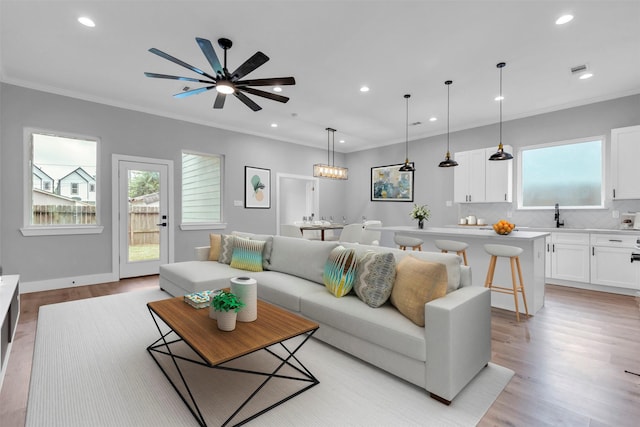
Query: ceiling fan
224	82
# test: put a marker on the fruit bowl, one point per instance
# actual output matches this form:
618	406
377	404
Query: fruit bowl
503	227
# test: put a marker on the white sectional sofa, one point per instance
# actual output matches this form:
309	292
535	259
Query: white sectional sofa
442	357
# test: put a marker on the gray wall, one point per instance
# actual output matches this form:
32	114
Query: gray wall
132	133
434	185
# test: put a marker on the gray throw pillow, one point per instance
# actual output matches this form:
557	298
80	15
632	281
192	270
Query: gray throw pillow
226	249
374	278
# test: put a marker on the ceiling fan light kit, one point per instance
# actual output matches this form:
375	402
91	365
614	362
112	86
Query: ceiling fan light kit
448	162
224	82
330	170
407	167
501	154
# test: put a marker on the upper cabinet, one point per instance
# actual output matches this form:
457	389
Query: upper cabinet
479	180
625	152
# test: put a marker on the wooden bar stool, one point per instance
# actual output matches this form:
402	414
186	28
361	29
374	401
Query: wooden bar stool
408	242
453	246
512	253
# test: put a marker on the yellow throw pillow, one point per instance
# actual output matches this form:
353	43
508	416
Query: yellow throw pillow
417	283
214	251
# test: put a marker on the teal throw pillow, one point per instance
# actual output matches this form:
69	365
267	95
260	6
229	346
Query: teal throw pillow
247	254
340	271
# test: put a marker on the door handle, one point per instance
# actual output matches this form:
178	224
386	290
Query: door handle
162	224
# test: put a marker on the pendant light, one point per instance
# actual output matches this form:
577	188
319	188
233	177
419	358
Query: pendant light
407	167
501	154
448	162
330	170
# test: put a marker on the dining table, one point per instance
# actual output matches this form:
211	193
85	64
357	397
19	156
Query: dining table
321	227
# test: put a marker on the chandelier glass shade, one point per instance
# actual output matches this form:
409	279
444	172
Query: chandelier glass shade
330	170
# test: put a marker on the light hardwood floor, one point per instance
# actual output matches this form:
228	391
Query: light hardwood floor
576	361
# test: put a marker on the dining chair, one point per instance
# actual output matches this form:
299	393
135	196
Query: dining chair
371	237
351	233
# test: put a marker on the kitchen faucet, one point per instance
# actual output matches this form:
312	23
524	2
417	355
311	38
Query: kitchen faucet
557	217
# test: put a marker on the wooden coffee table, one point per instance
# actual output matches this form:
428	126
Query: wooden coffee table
214	348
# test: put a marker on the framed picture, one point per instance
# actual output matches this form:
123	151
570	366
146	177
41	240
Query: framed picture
257	188
390	184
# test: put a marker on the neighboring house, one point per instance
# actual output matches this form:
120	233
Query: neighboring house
41	180
78	185
41	197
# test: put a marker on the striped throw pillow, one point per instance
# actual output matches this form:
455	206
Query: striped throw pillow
226	249
247	254
376	274
340	271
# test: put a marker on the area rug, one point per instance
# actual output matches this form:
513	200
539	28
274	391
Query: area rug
91	368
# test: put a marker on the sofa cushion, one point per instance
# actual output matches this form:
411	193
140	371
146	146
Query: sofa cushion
284	289
417	283
226	249
198	276
215	241
247	254
340	271
300	257
374	278
384	326
452	261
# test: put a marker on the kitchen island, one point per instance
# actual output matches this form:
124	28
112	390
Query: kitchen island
532	259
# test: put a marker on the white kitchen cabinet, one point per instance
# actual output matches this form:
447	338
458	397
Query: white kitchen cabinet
570	256
625	152
479	180
547	256
611	261
498	177
468	176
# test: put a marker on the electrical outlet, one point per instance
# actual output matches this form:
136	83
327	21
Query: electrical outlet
615	214
237	203
509	214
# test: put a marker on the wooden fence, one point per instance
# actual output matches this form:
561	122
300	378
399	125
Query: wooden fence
142	228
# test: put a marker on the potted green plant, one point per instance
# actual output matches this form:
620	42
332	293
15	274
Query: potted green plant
224	308
421	213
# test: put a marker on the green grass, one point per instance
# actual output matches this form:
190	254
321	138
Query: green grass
144	252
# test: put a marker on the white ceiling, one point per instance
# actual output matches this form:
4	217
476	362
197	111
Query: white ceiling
331	48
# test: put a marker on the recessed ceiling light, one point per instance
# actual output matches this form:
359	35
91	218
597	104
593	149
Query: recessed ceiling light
498	98
274	125
433	119
564	19
364	89
87	22
585	76
277	89
341	141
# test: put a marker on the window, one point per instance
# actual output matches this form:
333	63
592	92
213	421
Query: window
63	167
201	188
569	173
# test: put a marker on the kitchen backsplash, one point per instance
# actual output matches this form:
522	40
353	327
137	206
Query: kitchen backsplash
573	218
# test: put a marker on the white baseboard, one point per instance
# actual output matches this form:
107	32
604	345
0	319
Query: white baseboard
591	287
67	282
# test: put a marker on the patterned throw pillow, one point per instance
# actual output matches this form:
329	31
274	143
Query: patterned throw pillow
340	271
247	254
214	246
226	249
374	278
417	283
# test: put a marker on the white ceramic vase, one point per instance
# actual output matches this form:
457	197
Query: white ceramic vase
226	320
246	289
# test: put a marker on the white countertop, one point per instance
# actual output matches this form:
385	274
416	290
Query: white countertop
561	229
485	231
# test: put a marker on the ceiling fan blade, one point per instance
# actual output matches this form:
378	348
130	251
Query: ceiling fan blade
275	81
179	62
184	79
249	65
192	92
210	54
248	102
219	102
263	94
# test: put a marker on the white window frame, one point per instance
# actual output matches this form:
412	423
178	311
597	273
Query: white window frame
204	225
603	142
29	229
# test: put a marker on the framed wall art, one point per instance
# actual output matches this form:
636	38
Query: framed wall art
390	184
257	188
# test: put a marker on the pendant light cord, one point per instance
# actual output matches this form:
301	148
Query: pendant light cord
448	83
406	135
501	98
